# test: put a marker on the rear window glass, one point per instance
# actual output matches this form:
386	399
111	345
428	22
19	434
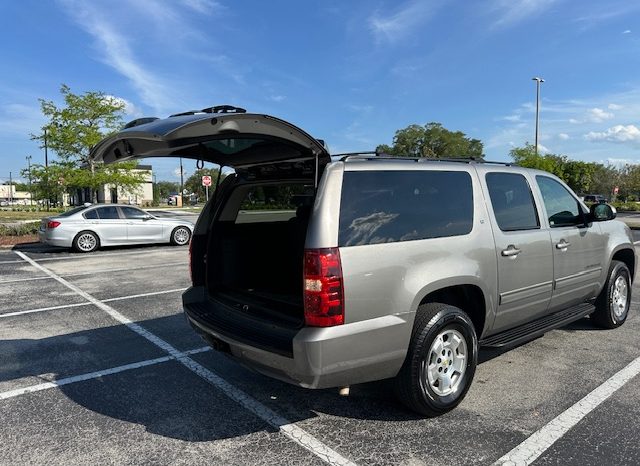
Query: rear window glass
390	206
72	211
273	203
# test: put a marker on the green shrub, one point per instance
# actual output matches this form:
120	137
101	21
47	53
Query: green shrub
21	229
626	206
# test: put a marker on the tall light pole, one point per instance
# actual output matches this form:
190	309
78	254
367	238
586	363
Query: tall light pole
181	184
538	81
30	191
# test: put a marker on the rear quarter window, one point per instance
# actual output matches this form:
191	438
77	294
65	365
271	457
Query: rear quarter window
391	206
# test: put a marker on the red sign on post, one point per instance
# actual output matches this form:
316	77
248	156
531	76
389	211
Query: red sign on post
206	180
615	190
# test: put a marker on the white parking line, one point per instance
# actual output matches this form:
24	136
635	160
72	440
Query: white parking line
93	375
87	303
99	271
534	446
290	430
94	255
636	242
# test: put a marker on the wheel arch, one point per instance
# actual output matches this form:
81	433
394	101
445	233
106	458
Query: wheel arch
468	297
628	257
87	230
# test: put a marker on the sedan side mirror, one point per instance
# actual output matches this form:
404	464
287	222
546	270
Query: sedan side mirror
147	217
602	212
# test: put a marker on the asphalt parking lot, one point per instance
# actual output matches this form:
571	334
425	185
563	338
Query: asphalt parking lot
98	366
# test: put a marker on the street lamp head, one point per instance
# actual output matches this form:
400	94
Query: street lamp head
536	78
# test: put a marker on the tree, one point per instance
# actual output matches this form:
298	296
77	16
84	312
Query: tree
432	140
577	174
167	187
194	182
73	129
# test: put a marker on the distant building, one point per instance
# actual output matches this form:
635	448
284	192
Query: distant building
9	195
140	195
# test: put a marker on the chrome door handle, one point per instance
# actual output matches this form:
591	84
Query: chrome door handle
563	244
511	251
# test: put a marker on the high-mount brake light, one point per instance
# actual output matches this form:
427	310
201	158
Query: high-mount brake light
323	288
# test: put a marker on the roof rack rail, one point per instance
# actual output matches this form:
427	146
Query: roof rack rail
383	156
215	109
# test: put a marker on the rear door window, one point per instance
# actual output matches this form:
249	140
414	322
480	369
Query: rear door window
276	203
91	214
391	206
512	201
108	213
133	213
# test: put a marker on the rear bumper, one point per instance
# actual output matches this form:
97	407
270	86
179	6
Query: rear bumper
321	357
47	237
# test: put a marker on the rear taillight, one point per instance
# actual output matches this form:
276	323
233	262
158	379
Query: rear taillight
52	224
323	290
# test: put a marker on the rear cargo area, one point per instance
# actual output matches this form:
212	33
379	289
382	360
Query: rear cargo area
255	254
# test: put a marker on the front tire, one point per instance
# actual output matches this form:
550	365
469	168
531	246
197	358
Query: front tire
612	305
86	241
180	236
441	360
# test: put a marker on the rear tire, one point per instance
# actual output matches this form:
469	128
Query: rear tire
612	305
441	360
180	236
86	241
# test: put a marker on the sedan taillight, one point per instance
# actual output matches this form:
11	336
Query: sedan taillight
52	224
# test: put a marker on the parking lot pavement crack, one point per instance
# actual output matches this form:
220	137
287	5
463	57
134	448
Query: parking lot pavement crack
288	429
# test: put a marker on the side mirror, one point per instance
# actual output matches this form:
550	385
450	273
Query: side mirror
147	217
602	212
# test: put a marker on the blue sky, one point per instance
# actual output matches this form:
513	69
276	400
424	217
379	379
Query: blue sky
349	72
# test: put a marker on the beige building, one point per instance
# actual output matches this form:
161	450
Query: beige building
9	195
141	195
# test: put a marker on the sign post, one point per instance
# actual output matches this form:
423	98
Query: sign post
206	182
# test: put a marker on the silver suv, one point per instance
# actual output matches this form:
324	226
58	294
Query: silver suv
326	273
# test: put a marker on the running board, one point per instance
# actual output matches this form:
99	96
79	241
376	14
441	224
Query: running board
531	330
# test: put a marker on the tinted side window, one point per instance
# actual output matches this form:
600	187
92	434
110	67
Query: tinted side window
562	207
512	201
91	214
108	213
132	212
390	206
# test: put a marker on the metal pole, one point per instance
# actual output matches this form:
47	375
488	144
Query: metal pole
538	82
10	190
206	188
30	190
181	183
46	170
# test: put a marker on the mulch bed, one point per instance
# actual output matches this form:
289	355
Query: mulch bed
14	240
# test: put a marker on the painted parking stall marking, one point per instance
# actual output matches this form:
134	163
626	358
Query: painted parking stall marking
88	303
529	450
93	375
290	430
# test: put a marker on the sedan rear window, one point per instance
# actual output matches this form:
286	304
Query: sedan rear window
68	213
391	206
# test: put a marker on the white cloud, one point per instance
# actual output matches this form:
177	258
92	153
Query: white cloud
130	109
396	26
510	12
614	107
277	98
597	115
618	133
563	136
627	31
512	118
20	120
543	149
118	54
202	6
573	121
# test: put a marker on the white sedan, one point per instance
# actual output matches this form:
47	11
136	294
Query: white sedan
89	227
